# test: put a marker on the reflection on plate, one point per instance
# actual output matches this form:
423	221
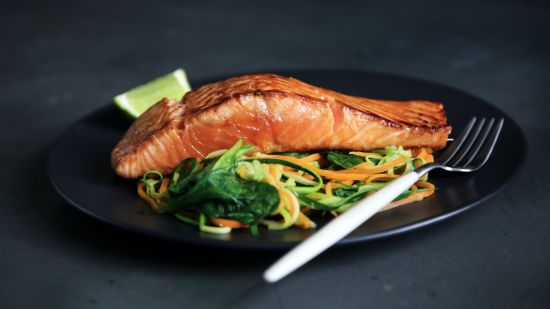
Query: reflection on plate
79	168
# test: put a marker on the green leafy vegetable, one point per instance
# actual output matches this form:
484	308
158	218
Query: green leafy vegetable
374	160
221	194
343	192
254	230
229	185
344	160
215	191
182	177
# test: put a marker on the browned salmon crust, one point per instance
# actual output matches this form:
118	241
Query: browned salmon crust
276	114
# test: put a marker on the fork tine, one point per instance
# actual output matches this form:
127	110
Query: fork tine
468	143
480	142
488	147
455	146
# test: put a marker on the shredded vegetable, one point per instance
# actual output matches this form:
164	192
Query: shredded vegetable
238	188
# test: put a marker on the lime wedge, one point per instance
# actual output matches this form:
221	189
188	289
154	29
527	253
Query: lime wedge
137	100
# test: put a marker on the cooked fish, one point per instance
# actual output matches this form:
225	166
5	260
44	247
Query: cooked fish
275	114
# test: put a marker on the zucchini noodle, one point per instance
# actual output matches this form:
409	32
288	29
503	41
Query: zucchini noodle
307	185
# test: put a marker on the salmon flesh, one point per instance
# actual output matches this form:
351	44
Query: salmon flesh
276	114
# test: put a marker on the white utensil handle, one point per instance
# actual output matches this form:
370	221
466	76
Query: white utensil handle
338	228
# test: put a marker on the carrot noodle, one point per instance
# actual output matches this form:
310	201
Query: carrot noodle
347	182
379	177
304	222
227	223
367	167
334	185
427	185
412	198
164	185
328	189
364	154
422	153
281	202
429	158
311	158
293	205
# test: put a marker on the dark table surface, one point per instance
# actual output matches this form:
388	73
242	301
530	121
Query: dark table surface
61	60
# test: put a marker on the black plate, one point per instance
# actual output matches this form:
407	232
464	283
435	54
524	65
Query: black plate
79	168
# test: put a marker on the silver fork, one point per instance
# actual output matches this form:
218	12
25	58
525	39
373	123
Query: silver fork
468	153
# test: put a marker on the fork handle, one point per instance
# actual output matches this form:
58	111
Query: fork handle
338	228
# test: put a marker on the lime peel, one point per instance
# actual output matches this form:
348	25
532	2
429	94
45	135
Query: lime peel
137	100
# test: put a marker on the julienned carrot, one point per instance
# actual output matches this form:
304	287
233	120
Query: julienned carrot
412	198
340	184
340	176
227	223
428	185
364	154
293	204
164	185
418	196
328	189
426	193
277	184
289	206
270	175
274	173
422	154
367	168
311	158
281	201
304	222
425	184
326	173
349	174
426	154
379	177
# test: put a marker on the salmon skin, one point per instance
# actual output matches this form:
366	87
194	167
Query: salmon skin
276	114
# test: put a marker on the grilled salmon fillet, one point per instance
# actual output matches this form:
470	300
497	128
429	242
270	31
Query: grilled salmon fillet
276	114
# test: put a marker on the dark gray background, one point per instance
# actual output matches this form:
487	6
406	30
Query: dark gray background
61	60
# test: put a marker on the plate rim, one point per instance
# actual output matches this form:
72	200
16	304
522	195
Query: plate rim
269	245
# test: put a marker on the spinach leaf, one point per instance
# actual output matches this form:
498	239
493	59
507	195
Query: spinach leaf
182	177
221	194
342	192
226	161
343	159
208	161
